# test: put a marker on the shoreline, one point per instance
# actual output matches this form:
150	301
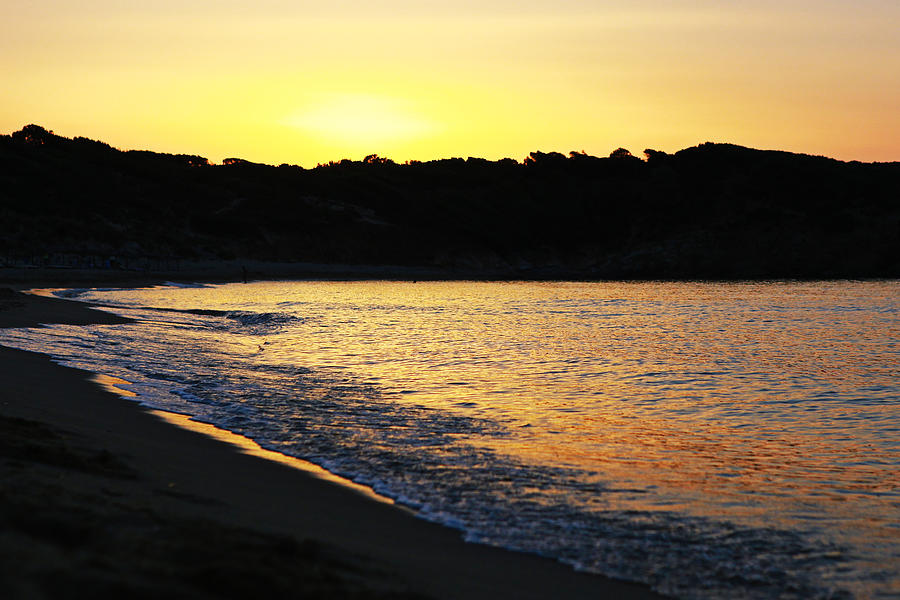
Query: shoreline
240	443
236	271
151	492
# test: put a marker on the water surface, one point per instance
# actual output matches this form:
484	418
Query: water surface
713	440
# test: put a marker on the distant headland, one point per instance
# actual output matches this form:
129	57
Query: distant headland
713	211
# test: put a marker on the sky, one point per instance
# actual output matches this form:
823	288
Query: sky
280	81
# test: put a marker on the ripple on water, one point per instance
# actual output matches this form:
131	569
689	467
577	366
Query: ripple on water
714	440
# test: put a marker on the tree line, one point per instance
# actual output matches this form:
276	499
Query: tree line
710	211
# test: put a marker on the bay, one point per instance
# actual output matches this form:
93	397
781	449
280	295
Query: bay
716	440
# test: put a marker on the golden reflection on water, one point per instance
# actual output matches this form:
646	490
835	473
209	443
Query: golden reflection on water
763	403
114	385
248	446
241	443
731	399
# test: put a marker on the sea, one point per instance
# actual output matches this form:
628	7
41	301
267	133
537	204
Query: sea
712	440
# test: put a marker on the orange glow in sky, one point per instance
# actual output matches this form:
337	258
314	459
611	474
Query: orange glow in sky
288	81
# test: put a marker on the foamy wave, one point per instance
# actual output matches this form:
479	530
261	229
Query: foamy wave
267	320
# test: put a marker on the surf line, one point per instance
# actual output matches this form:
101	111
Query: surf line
243	444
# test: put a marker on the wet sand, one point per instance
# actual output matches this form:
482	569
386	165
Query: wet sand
101	496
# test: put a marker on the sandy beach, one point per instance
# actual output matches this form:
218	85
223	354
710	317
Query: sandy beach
101	497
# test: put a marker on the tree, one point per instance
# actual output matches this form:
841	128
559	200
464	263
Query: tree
544	158
33	134
374	159
655	156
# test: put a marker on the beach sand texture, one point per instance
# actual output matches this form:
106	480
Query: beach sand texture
102	497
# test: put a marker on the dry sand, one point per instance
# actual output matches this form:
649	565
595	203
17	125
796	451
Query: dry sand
101	497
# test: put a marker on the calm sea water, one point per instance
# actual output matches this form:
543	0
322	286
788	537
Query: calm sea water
712	440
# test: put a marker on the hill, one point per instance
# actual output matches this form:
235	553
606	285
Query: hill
711	211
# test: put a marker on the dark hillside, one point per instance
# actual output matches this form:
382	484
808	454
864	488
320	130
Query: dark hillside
712	211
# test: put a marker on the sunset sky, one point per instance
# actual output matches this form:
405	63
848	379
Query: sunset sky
289	81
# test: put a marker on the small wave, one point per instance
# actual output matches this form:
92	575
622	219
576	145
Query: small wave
72	293
185	285
253	319
203	312
245	318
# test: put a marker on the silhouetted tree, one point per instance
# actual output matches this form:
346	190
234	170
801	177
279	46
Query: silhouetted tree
621	153
657	158
544	158
193	160
374	159
33	134
92	144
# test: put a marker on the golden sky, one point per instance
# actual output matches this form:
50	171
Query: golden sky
280	81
